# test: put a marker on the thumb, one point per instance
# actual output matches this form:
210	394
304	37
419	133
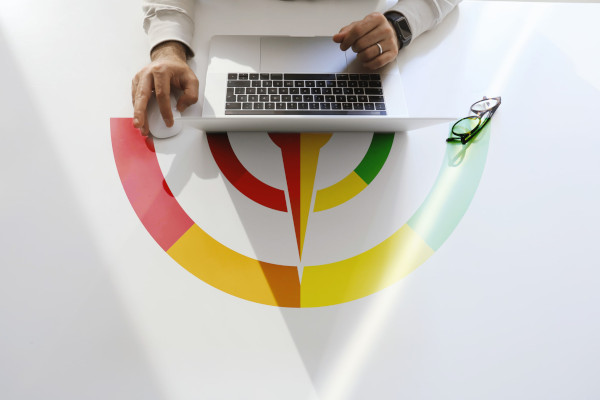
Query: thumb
339	37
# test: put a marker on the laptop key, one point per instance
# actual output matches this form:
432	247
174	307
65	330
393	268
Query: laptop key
233	106
247	106
379	106
258	106
238	84
374	91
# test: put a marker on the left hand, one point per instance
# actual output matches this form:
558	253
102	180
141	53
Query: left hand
363	37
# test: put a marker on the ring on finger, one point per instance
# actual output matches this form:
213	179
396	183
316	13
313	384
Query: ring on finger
380	48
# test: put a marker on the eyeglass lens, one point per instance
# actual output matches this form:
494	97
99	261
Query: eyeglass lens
484	105
465	126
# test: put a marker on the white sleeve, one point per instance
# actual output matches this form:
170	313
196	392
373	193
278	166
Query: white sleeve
422	15
166	20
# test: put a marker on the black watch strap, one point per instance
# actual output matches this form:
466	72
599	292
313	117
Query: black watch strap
401	26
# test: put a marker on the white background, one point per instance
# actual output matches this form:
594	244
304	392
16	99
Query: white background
92	308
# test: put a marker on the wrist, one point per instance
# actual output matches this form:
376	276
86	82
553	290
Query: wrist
169	49
401	27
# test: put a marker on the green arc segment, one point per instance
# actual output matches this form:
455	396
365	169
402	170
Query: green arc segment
355	182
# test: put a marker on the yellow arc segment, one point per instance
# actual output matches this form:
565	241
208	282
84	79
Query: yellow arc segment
235	273
366	273
310	145
339	193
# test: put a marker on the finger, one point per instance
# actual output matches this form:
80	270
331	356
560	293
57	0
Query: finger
142	96
377	35
369	54
357	31
134	84
162	89
380	61
339	37
372	52
190	94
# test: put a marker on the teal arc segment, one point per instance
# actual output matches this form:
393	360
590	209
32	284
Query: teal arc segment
453	190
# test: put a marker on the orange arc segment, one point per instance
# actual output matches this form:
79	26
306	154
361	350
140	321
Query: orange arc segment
234	273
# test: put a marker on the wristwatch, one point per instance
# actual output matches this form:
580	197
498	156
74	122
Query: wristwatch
400	24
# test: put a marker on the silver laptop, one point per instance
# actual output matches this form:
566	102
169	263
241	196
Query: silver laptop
299	84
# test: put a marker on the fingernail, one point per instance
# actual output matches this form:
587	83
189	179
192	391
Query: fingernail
136	123
169	123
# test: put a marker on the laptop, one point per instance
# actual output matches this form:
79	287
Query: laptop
299	84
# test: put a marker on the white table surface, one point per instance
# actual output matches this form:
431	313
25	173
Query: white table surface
92	308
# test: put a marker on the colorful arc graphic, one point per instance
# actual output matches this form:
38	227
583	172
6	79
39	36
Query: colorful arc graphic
279	285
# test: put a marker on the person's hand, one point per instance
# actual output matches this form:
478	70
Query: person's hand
363	37
167	70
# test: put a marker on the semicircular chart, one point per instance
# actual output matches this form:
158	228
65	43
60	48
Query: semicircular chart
279	285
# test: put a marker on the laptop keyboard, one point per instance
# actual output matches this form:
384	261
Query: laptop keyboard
304	94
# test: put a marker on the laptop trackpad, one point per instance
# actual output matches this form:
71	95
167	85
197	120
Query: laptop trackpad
301	54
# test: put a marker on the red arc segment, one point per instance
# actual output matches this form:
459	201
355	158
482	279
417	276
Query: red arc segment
235	172
144	184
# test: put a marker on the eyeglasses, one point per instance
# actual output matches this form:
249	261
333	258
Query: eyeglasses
466	128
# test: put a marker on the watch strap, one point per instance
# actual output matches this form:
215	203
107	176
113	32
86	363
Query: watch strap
401	26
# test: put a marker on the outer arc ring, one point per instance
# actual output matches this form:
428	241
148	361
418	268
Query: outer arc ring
278	285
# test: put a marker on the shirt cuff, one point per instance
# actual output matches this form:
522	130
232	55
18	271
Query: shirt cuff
166	25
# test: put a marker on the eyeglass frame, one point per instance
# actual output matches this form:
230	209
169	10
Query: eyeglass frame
480	115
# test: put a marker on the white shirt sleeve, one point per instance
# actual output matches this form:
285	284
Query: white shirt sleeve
166	20
422	15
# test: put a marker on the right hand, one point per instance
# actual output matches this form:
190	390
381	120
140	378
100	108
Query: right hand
168	69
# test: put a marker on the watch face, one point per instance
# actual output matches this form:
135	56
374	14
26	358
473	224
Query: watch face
402	24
